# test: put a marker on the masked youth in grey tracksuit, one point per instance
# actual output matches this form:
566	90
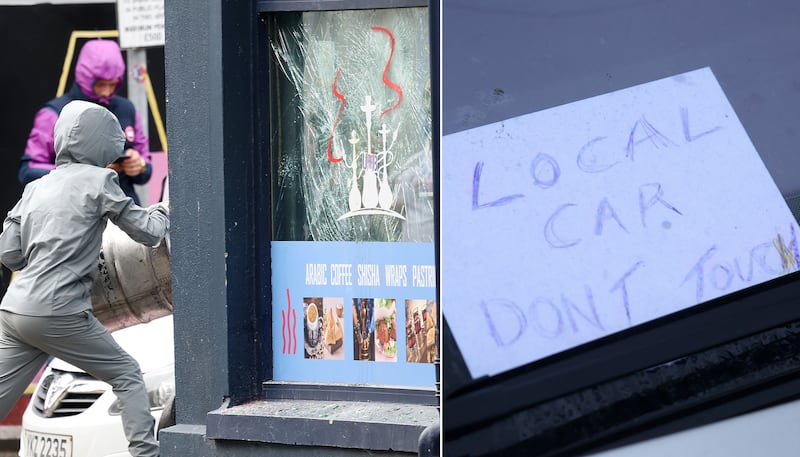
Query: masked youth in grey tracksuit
52	237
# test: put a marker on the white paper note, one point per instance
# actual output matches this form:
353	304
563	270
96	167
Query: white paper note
572	223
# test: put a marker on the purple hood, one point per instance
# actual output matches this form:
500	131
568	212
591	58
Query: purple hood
98	59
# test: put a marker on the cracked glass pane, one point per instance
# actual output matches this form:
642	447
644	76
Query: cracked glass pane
351	129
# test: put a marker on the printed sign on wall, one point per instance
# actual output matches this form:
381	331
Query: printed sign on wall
141	23
566	225
354	312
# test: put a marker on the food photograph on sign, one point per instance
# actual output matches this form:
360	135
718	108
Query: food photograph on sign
420	331
363	329
386	330
323	328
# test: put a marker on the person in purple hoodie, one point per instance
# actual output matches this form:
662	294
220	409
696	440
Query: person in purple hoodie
98	75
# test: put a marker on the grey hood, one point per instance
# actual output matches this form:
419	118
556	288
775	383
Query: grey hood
87	133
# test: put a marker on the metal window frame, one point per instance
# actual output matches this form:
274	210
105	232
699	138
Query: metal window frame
290	390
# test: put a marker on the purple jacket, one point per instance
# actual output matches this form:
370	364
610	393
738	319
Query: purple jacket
98	59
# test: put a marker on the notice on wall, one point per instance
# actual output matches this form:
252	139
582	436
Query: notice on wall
354	312
569	224
140	23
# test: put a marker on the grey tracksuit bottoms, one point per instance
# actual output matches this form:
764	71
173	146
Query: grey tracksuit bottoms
81	340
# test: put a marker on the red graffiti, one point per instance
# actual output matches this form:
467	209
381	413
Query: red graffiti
289	327
341	97
338	95
386	80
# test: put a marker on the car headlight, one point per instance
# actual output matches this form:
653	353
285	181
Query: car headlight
160	385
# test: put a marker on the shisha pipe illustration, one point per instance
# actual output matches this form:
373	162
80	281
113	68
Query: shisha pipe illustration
369	199
354	200
370	194
376	196
386	158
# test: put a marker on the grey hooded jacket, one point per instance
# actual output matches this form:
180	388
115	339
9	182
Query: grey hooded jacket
53	235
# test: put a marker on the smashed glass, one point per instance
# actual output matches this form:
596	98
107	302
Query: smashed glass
351	131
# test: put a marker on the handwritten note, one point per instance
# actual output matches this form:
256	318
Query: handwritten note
572	223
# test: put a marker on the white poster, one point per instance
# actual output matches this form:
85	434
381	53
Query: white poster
140	23
565	225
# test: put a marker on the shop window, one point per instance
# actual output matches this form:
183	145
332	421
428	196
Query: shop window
352	251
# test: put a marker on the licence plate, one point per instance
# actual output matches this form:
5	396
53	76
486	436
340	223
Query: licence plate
47	445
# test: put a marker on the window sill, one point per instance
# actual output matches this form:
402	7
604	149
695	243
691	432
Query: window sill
343	424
